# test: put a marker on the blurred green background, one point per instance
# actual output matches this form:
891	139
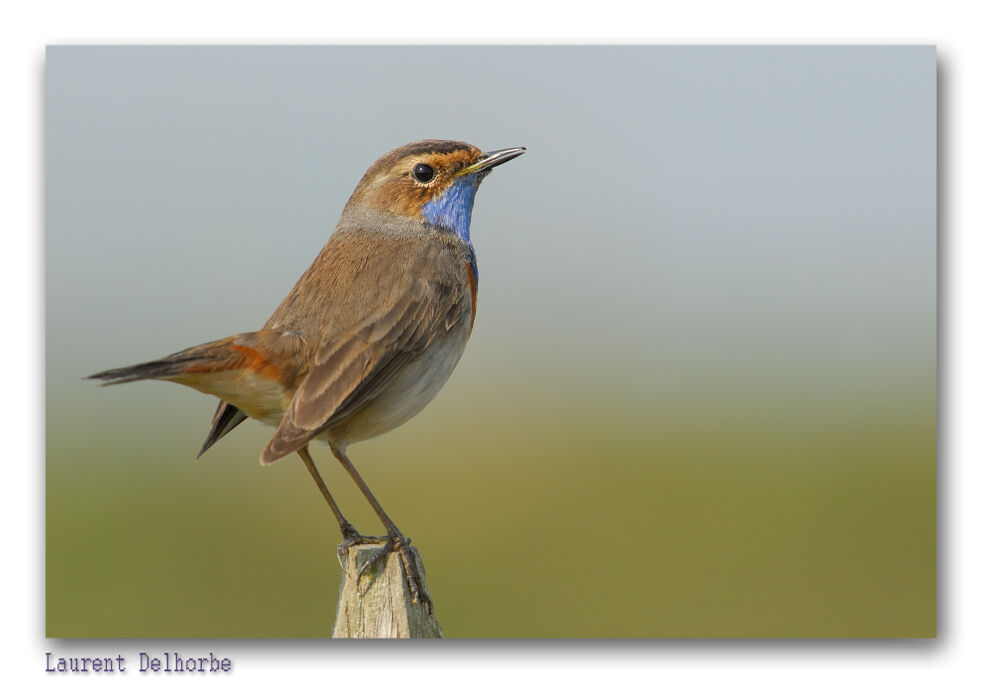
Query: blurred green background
700	399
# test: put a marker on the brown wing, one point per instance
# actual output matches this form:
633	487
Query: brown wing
419	300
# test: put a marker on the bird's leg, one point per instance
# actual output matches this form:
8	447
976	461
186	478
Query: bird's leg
349	532
395	542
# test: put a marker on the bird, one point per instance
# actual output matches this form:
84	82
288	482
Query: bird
367	336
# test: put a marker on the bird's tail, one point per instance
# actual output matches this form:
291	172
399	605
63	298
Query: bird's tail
253	371
215	356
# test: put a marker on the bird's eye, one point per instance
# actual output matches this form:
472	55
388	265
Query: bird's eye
423	172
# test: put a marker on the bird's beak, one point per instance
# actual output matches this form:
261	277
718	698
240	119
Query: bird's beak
492	159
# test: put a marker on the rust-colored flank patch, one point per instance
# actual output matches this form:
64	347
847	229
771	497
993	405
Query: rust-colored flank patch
256	362
473	290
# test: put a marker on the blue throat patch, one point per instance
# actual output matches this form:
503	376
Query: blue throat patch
452	209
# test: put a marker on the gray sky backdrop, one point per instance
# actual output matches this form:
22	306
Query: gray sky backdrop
678	208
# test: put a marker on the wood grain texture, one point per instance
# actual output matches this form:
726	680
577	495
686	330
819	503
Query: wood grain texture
379	606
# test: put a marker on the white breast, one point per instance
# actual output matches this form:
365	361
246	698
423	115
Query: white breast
409	391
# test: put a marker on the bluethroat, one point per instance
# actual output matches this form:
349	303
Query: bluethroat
367	336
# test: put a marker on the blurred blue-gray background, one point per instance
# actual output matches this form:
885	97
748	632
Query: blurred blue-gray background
700	396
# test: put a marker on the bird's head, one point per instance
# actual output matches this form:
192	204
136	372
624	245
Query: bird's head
434	182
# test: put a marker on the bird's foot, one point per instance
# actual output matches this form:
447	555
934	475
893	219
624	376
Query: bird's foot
395	542
351	538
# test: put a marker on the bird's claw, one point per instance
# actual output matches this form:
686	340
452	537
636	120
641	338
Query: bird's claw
351	538
395	542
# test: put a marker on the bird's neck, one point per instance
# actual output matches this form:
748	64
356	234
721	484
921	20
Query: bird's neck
452	209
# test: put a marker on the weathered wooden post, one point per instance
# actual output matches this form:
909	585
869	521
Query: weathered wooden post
379	606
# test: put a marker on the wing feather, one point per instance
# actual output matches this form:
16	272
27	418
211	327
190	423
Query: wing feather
226	418
351	372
